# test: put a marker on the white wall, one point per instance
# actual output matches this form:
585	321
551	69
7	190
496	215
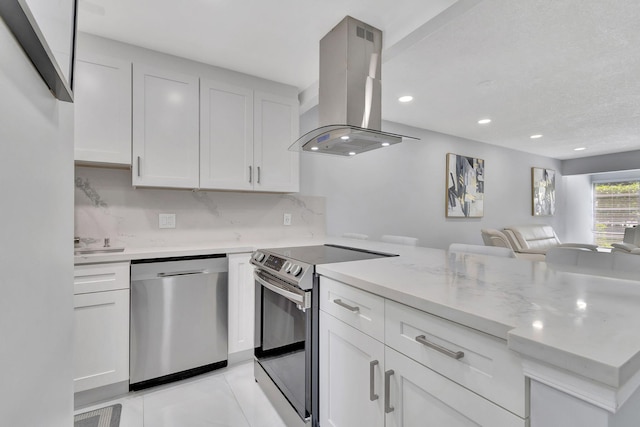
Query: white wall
36	250
401	189
629	160
101	46
579	208
106	205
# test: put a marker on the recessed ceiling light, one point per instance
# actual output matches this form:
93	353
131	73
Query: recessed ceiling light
344	138
385	144
579	148
352	153
314	148
535	136
484	121
406	98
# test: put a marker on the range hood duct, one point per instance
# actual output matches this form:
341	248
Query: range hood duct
349	102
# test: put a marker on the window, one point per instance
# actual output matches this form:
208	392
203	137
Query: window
616	205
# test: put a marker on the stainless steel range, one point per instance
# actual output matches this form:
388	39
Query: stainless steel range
286	354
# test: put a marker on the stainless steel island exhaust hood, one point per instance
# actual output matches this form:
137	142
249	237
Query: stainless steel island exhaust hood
349	102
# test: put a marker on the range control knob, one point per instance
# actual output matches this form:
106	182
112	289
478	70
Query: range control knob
296	270
287	266
258	256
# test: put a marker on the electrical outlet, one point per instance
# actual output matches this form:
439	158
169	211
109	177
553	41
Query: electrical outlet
287	219
167	220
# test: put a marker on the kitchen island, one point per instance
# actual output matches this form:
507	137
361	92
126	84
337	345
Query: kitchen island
576	334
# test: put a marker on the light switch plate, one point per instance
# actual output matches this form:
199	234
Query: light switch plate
166	220
287	219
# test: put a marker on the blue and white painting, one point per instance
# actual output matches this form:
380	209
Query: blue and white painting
465	187
544	191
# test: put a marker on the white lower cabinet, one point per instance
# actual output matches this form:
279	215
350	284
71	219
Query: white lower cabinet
101	321
241	302
367	382
351	364
421	397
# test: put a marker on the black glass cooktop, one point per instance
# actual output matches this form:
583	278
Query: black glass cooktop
327	254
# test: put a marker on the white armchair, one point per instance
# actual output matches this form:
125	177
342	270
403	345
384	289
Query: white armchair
537	239
630	242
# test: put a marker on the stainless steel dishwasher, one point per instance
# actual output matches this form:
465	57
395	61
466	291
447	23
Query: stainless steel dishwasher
178	318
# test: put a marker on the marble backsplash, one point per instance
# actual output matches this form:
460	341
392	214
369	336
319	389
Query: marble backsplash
106	205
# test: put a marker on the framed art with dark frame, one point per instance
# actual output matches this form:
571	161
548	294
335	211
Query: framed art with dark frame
465	187
543	192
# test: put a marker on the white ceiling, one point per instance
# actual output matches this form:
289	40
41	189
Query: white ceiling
567	69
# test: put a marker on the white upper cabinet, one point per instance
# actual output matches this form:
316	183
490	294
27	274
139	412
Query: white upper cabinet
226	136
102	96
275	128
245	137
179	124
165	128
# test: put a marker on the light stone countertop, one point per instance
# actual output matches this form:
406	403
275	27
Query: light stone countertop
585	324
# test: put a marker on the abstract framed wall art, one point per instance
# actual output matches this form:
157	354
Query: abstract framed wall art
465	187
543	191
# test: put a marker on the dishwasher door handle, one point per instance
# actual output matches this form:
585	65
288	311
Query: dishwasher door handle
181	273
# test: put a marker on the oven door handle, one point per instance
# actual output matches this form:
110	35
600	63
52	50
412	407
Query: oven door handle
300	298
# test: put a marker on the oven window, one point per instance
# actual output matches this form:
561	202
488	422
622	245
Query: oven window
283	324
284	330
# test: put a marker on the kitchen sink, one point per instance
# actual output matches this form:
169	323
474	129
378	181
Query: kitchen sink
87	251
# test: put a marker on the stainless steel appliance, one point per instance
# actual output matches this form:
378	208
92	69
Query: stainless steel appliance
286	353
349	105
178	318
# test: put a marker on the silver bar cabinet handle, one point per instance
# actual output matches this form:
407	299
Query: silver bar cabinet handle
181	273
347	306
258	174
372	380
139	166
455	354
387	391
250	173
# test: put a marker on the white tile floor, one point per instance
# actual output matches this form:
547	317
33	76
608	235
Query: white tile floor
228	397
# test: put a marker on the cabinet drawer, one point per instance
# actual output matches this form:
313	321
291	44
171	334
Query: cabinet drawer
487	367
360	309
100	277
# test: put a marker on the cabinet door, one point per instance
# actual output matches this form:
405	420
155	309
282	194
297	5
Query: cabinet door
347	359
226	136
165	128
102	97
276	128
101	344
241	302
422	398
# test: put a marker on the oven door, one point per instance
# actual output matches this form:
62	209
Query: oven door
283	338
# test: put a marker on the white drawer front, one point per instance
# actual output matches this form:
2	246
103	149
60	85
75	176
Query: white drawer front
360	309
487	367
100	277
